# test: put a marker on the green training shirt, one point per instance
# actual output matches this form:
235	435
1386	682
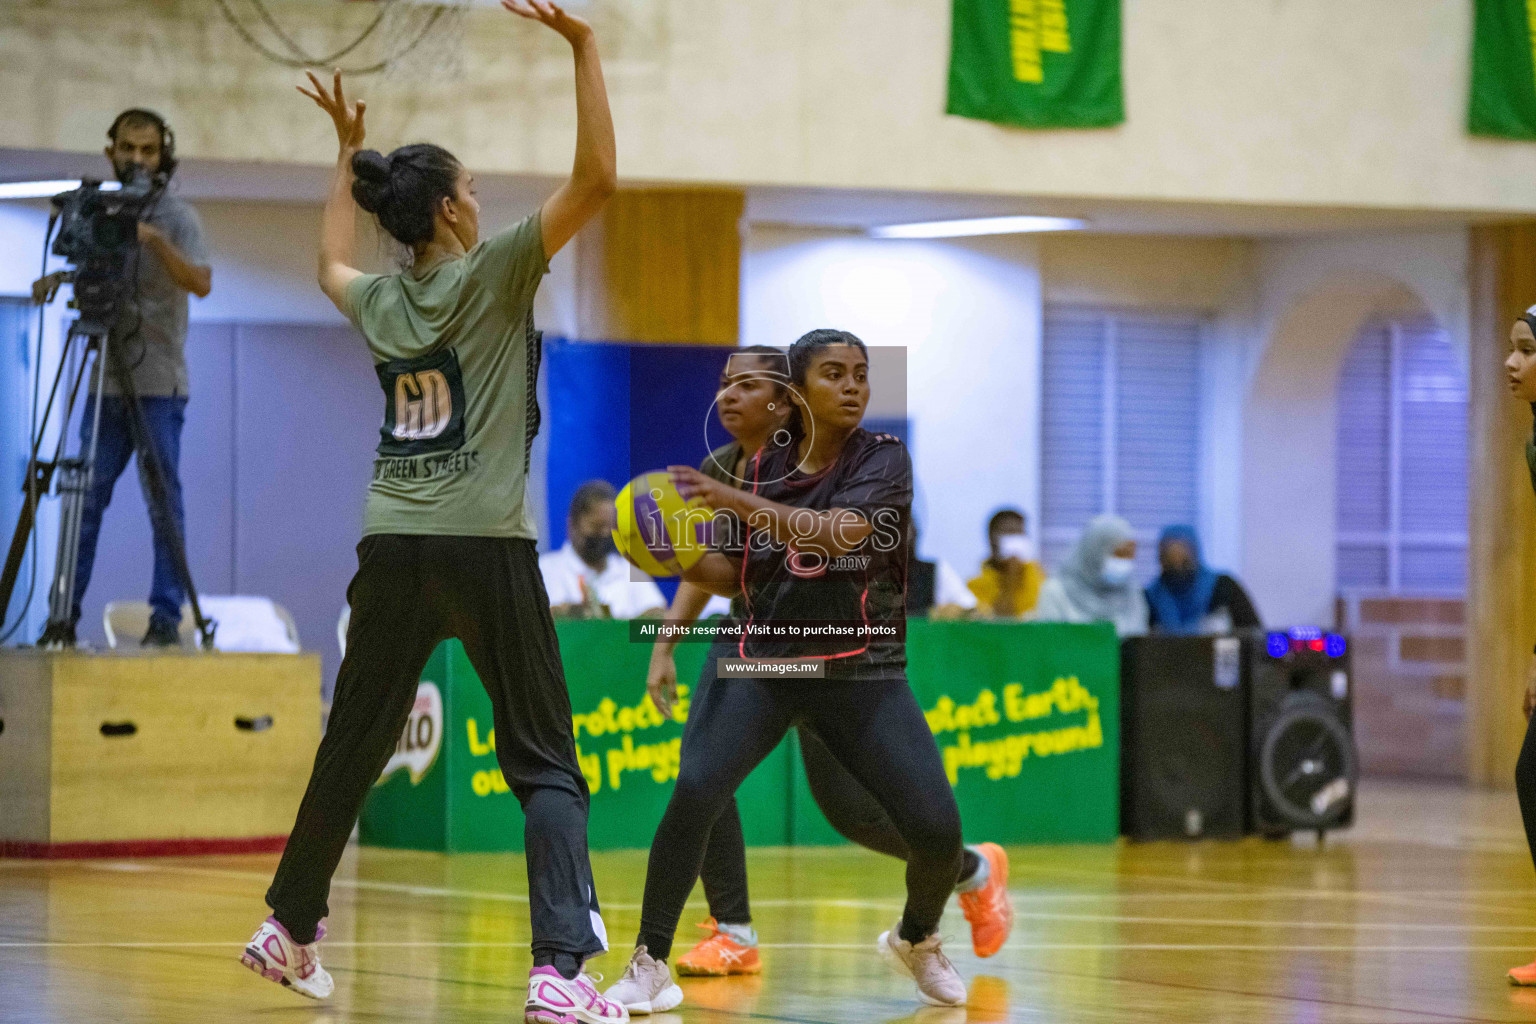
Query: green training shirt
458	360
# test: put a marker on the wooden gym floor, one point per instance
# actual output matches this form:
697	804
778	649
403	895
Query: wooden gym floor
1413	916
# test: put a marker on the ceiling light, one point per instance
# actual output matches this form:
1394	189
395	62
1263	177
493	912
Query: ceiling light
46	189
977	226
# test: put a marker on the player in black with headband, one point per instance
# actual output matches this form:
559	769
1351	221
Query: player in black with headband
1521	370
753	405
823	544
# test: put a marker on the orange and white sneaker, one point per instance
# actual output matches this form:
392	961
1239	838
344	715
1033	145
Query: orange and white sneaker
989	909
718	956
1523	975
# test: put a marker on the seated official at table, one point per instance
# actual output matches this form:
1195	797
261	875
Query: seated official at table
934	588
587	578
1011	577
1097	581
1190	597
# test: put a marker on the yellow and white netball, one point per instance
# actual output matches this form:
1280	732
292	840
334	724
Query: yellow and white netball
659	532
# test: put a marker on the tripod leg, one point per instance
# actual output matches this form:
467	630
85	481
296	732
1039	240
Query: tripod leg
74	485
39	480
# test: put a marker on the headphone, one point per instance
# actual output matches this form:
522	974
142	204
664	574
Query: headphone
167	137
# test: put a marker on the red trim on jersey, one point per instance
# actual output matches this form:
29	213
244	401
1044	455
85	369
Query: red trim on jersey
741	645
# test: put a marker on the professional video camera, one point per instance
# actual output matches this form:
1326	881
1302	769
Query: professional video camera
99	234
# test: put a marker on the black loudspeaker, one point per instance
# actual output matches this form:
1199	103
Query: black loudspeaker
1183	737
1303	768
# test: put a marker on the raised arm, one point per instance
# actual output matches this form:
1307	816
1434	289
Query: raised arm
594	174
338	223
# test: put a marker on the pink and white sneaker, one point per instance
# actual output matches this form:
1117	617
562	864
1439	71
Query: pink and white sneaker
553	1000
274	955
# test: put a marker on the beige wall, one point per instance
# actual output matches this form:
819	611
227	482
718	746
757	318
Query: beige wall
1144	271
1307	101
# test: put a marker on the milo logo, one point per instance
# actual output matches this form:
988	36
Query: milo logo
422	737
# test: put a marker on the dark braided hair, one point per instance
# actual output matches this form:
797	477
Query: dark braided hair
403	189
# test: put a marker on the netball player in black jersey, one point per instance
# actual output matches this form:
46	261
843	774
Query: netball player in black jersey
1520	369
753	405
824	524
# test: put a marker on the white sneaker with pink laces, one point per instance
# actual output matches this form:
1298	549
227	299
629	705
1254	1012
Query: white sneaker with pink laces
938	983
274	955
553	1000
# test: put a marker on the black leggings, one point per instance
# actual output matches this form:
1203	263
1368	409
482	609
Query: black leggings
849	808
874	730
1525	785
409	594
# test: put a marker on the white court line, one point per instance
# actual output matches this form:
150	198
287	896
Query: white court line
1210	923
1012	947
366	885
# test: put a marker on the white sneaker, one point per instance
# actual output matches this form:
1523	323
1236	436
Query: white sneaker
553	1000
274	955
647	985
938	983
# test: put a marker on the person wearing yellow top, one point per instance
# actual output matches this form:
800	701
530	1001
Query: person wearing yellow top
1010	580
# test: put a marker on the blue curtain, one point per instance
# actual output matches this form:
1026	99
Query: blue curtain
616	411
16	357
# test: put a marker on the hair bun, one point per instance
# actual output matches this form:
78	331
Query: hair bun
372	187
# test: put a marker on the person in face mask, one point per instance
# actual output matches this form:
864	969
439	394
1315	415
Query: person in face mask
1011	577
587	578
1097	581
1192	598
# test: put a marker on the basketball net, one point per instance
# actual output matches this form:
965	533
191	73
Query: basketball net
431	48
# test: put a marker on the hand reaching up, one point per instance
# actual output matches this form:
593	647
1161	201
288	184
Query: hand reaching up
574	29
348	118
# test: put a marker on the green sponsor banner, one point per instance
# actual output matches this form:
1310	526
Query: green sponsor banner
455	798
1036	63
1026	718
1504	69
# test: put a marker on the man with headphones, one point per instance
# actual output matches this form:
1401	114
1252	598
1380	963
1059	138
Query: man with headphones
150	336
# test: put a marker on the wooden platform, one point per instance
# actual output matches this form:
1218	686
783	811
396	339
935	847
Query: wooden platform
153	753
1413	917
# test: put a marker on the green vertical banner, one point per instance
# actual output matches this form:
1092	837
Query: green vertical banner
1037	63
1504	69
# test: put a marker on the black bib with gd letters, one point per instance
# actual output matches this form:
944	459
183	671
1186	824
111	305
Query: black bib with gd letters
423	405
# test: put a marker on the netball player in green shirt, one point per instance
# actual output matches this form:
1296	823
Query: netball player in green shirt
448	537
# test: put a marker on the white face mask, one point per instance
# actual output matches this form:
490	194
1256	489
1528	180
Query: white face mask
1118	570
1016	545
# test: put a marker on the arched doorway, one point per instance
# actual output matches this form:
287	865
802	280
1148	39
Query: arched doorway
1401	542
1296	546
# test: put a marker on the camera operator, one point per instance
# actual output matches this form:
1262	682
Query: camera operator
150	338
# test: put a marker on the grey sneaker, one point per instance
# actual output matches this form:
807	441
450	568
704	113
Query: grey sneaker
938	983
647	985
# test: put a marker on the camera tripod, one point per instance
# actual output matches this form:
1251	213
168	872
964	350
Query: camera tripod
76	475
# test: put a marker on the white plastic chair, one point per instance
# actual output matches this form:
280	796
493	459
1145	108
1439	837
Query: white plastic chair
245	623
125	623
